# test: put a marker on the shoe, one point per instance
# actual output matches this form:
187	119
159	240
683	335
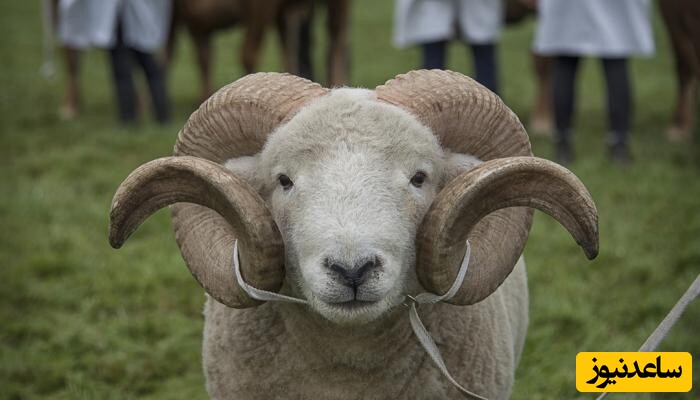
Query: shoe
620	154
563	154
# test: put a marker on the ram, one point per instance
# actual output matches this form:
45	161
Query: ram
352	199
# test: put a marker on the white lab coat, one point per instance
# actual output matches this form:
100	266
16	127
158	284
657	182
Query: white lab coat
604	28
425	21
85	23
76	26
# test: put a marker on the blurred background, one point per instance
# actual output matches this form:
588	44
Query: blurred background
80	320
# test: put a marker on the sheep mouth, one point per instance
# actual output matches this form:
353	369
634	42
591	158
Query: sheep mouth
352	312
352	305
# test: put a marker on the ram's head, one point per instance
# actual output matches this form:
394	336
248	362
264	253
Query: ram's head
358	197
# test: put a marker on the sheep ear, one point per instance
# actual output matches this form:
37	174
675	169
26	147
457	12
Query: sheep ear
455	164
245	167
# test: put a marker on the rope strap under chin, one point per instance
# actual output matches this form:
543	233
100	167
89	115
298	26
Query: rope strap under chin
258	294
422	333
416	324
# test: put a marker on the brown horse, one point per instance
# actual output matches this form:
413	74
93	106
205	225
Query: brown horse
292	19
682	19
541	119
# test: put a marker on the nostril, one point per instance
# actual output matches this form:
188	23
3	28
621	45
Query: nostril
338	268
364	270
366	267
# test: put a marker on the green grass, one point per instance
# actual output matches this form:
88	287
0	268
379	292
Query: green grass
80	320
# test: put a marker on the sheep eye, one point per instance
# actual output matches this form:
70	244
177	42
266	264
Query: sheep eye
418	179
285	182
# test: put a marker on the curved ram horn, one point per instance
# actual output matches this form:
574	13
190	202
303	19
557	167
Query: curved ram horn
494	185
169	180
236	121
470	119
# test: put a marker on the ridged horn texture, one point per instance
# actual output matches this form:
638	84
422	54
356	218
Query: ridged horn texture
170	180
233	122
494	185
468	118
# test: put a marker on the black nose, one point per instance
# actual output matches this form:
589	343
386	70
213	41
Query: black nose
352	276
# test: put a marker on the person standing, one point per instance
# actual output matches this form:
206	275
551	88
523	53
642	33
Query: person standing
433	23
133	30
610	30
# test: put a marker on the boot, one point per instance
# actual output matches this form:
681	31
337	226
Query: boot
618	151
563	152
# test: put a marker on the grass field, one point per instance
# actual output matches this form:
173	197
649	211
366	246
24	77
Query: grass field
79	320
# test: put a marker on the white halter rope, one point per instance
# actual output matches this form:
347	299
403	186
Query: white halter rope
418	328
669	320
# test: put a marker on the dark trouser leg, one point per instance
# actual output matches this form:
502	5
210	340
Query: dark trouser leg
156	84
124	84
618	84
485	65
617	81
563	94
434	55
305	45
